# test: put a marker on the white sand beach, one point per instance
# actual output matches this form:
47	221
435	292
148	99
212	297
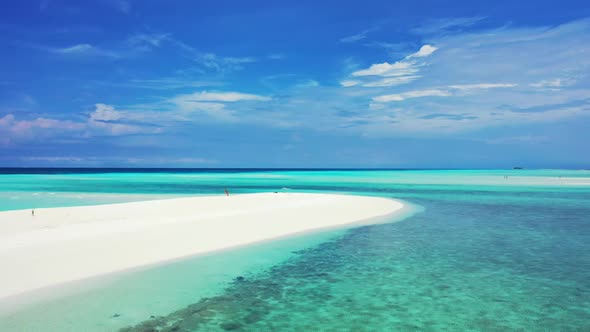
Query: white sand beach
58	245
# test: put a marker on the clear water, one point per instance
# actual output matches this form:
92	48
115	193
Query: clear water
487	253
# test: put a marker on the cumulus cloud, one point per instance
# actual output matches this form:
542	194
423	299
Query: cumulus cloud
104	120
12	128
23	126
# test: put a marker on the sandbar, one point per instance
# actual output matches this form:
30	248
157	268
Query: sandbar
59	245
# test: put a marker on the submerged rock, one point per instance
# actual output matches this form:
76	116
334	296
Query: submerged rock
230	326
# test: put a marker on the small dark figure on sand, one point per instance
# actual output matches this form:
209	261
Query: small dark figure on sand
33	212
226	192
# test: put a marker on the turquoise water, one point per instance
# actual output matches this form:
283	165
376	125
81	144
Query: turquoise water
490	251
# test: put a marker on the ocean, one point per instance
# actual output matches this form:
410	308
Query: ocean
478	250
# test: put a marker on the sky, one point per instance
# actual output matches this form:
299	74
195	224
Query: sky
333	84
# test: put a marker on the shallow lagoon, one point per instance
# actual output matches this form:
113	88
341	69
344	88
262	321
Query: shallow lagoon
486	253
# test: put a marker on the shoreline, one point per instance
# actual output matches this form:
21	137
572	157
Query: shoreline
62	245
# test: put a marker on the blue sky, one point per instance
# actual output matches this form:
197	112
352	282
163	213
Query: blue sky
295	84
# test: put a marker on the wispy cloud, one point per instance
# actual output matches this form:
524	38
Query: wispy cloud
222	64
349	83
467	81
554	83
466	87
168	83
357	37
442	92
53	159
411	94
133	46
224	96
83	50
390	81
147	41
76	49
214	104
307	84
391	74
399	68
94	161
446	25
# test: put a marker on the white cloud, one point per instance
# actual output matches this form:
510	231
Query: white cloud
223	96
308	84
133	46
111	121
390	81
13	129
438	26
6	120
213	104
220	63
53	159
412	94
356	37
104	120
105	113
555	83
349	83
164	83
390	74
148	40
399	68
424	51
437	92
191	105
79	48
82	50
482	86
